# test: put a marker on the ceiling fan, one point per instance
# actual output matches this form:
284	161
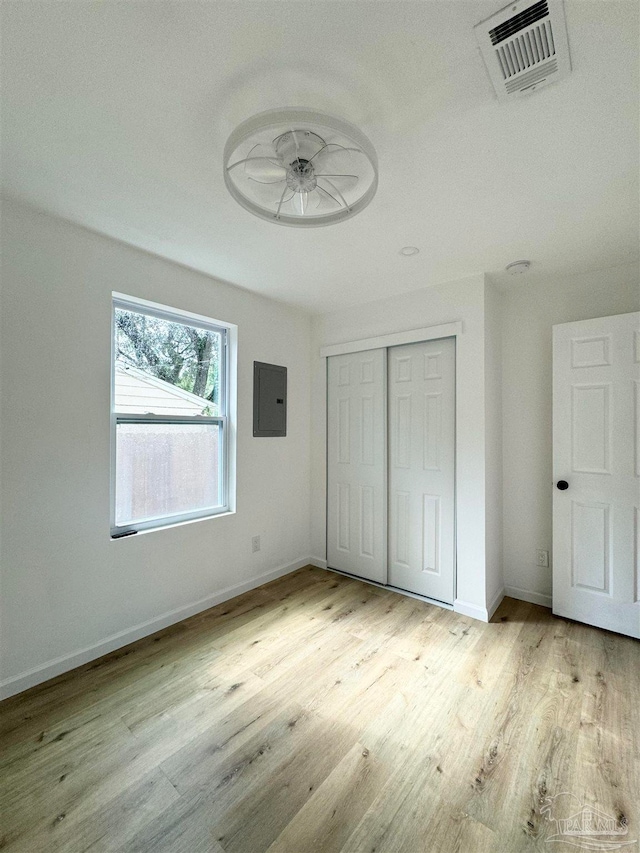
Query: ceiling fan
299	167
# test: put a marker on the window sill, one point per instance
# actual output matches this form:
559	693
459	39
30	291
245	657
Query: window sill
172	524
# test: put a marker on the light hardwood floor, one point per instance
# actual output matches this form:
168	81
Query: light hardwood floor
318	713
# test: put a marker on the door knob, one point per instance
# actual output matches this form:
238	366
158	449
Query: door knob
562	485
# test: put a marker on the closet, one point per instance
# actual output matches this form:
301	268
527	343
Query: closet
391	466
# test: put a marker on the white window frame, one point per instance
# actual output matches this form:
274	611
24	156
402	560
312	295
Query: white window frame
226	420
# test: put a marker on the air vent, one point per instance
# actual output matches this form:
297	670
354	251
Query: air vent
525	47
519	22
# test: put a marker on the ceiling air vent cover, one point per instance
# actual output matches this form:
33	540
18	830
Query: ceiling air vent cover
525	47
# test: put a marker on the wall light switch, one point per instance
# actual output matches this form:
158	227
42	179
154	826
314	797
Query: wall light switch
255	544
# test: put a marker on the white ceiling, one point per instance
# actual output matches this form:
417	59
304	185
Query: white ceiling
115	115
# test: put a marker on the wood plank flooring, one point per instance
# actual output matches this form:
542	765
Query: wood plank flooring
318	713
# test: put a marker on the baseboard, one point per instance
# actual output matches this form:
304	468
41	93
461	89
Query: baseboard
318	562
528	595
63	664
495	602
468	609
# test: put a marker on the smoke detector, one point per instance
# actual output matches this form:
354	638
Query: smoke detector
298	167
525	47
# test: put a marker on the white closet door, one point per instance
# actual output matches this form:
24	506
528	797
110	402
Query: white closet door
356	458
596	466
422	468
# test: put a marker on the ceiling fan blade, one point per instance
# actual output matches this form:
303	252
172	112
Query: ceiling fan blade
264	172
326	200
267	194
336	159
296	141
343	182
302	202
261	166
334	192
287	196
294	204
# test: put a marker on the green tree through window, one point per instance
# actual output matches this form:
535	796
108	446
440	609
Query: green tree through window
183	355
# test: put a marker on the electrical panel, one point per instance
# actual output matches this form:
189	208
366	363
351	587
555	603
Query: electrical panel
269	400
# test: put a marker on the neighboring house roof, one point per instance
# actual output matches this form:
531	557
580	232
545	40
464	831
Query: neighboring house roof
136	392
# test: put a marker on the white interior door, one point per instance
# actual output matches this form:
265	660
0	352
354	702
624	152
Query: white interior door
422	468
356	464
596	466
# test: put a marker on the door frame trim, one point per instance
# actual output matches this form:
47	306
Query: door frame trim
412	336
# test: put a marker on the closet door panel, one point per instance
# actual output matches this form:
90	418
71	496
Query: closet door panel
422	468
356	464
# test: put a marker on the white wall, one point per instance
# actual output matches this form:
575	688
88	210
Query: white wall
531	306
463	300
66	587
69	593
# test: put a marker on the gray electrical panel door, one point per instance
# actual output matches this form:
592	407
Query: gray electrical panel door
269	400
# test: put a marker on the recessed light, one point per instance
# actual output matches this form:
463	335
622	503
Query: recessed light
518	267
407	251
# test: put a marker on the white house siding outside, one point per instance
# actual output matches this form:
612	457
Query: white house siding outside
136	392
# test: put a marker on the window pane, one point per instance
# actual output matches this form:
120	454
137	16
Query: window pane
166	469
164	367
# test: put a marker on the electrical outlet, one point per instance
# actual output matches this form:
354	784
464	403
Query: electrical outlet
255	544
543	559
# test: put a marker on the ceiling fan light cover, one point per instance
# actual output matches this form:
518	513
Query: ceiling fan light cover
299	167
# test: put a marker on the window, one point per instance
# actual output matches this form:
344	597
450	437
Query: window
170	429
